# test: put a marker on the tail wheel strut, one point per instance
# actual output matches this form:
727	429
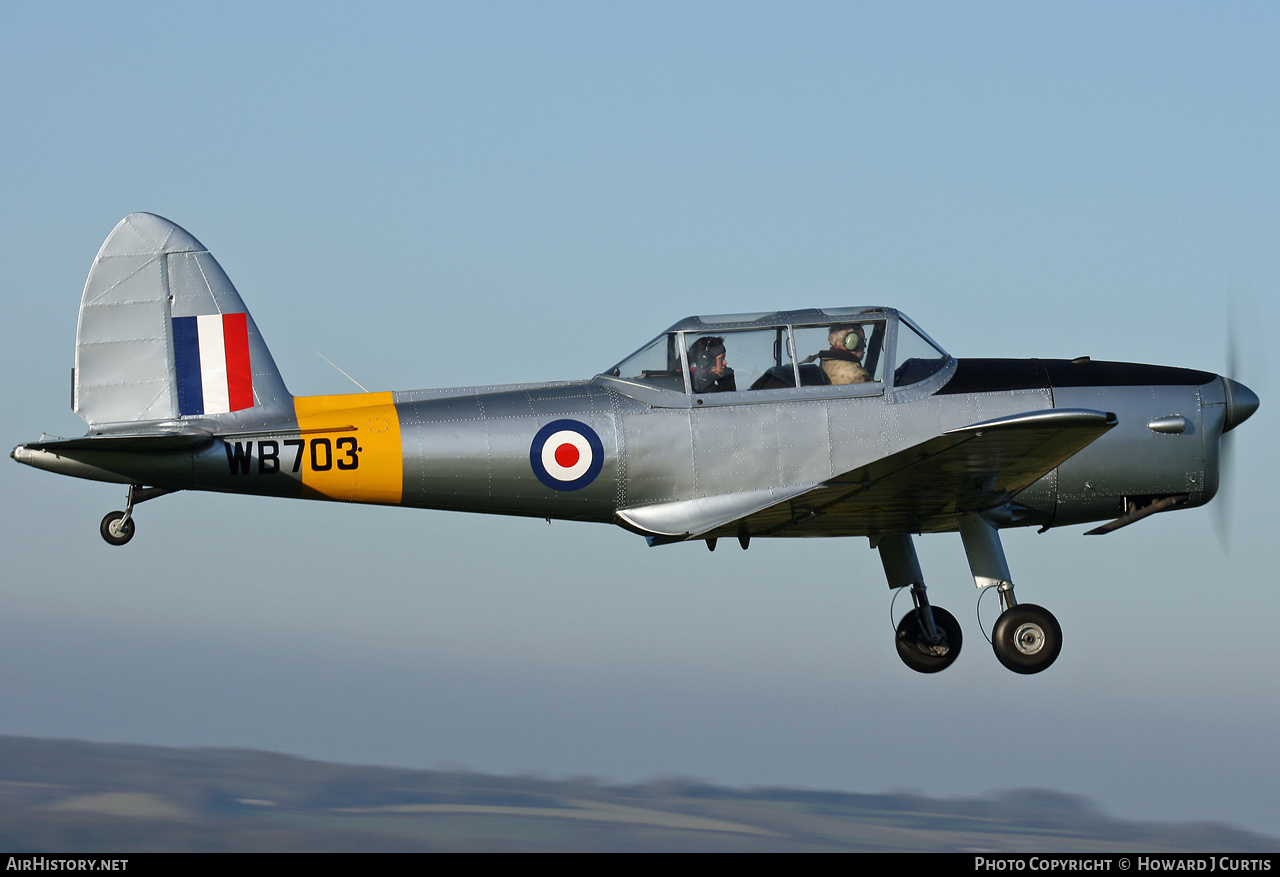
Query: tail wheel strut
117	527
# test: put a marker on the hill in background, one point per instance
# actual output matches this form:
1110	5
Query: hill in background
59	796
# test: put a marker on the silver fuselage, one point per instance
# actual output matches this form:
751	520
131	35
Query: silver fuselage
468	449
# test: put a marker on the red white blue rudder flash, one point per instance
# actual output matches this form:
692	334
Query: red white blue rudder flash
164	334
211	363
566	455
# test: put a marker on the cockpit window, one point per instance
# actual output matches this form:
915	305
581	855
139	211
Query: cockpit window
841	353
759	359
656	364
917	357
854	351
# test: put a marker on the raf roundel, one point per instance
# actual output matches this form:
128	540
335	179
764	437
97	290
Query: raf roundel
566	455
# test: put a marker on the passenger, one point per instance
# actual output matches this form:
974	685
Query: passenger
709	371
842	364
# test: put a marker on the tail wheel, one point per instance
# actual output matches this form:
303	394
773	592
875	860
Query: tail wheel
116	528
914	647
1026	638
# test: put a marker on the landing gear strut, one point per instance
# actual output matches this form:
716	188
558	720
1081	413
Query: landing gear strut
117	527
928	637
1026	638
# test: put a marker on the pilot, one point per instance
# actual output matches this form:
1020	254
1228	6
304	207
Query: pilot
842	364
709	372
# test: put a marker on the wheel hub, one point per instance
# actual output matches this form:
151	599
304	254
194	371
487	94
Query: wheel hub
1029	638
938	650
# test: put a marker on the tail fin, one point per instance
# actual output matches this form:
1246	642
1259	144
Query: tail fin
164	336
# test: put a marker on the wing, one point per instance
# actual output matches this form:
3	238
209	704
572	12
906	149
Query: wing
923	489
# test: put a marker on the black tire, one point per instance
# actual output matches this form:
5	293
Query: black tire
1027	638
112	538
916	652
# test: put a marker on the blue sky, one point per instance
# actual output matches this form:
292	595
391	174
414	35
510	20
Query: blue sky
438	195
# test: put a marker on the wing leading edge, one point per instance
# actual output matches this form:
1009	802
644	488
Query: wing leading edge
923	489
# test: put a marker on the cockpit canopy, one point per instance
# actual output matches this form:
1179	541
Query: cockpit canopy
865	349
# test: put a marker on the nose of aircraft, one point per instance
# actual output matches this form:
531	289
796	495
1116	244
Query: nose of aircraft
1241	403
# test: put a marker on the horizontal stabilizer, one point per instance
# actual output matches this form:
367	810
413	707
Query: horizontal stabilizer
132	443
116	458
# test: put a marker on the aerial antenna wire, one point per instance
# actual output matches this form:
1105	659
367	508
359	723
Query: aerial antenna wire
335	365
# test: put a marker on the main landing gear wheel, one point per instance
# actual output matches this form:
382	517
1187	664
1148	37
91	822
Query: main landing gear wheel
914	647
116	528
1026	638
